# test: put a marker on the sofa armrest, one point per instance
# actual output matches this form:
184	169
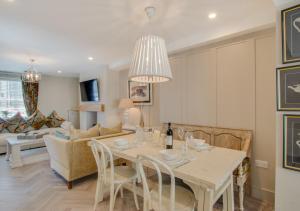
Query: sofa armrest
59	150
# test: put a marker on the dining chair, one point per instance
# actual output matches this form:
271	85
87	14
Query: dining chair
163	197
110	176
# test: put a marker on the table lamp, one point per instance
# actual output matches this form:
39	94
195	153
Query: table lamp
125	104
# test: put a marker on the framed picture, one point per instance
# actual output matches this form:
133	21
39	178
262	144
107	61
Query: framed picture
140	93
288	88
291	142
291	34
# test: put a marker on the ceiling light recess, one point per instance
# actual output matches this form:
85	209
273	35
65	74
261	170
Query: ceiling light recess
212	15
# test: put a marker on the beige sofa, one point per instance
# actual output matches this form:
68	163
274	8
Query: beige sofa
73	159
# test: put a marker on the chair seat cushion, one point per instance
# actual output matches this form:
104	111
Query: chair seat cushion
184	199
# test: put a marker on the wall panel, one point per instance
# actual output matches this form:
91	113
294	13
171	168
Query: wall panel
200	93
236	85
171	93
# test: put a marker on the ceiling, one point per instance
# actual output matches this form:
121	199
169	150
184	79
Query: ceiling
62	34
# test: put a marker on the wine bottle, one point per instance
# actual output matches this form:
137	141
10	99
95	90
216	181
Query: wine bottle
169	141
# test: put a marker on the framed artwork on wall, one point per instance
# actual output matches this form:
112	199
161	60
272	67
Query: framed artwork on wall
140	93
291	142
288	88
291	34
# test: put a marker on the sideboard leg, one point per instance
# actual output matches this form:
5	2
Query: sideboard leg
70	185
241	187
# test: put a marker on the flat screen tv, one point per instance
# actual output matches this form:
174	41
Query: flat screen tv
89	91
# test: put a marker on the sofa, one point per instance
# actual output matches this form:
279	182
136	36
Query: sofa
73	159
36	123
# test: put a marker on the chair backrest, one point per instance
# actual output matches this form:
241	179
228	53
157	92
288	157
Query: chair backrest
104	159
159	167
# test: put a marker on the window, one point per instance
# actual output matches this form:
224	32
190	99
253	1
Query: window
11	98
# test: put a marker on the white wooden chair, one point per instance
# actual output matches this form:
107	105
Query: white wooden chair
110	176
163	197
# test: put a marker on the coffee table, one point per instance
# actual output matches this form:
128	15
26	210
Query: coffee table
13	154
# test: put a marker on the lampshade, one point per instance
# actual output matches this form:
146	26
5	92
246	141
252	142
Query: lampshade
150	63
125	103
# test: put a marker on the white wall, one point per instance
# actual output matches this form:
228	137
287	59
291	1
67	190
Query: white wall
109	96
287	181
59	94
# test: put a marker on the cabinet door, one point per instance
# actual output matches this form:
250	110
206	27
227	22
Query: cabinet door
236	85
200	94
171	93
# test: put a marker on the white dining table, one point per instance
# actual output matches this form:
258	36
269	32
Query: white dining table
206	173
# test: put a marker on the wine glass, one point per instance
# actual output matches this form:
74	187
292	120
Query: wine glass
180	133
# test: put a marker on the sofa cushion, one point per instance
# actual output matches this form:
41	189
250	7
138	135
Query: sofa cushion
16	124
78	134
3	125
108	131
54	120
36	120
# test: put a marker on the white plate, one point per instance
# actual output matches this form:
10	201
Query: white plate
121	142
176	162
122	147
202	147
169	154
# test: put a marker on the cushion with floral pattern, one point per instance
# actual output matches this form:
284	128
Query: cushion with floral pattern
3	125
16	124
36	120
54	120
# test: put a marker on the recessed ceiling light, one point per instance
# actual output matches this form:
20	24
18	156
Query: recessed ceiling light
59	71
10	0
212	15
91	58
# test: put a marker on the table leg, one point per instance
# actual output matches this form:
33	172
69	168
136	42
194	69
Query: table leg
228	201
204	197
208	200
15	157
8	151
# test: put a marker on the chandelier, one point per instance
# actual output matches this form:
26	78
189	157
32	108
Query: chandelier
150	63
31	75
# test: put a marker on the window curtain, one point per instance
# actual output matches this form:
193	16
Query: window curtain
30	96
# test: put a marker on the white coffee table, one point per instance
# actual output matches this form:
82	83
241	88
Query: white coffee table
13	154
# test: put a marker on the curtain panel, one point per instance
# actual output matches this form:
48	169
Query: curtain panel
30	96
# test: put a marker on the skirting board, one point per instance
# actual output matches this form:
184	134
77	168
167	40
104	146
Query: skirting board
263	194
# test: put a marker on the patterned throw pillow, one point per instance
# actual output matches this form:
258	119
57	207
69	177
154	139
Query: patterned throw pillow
54	120
36	120
3	125
16	124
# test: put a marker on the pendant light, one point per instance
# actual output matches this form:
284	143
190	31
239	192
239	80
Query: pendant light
150	62
31	75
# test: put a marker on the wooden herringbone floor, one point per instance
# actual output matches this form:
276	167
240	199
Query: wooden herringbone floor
36	187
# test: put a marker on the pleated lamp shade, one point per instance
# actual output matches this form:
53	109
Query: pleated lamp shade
150	62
